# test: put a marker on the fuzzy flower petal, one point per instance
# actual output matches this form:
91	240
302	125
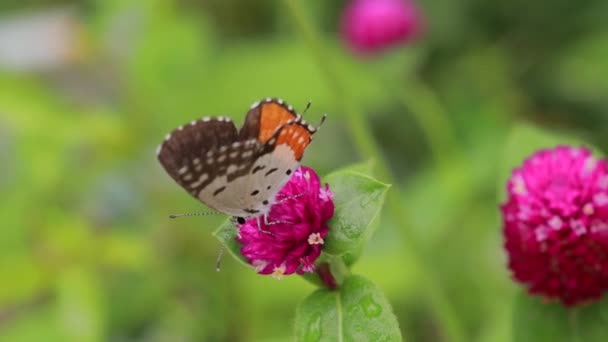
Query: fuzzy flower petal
555	224
370	26
295	237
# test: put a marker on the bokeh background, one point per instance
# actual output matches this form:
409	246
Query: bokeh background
89	88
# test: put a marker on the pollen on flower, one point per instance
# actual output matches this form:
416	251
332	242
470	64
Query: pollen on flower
600	199
519	186
278	272
588	209
578	227
556	223
315	239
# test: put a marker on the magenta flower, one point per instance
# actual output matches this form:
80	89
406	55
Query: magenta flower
296	236
556	225
370	26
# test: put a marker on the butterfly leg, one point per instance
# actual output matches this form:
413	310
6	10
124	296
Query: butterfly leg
285	199
218	261
268	223
260	225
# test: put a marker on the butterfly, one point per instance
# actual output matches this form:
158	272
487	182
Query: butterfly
238	173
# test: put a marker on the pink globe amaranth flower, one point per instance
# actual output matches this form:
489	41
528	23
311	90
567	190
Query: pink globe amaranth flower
556	225
298	225
370	26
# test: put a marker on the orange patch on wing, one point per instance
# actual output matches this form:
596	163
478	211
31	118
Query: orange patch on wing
296	137
272	116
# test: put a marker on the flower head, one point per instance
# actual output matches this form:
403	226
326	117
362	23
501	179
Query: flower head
555	224
294	237
369	26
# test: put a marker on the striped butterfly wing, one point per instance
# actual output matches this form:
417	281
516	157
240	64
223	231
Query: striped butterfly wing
205	156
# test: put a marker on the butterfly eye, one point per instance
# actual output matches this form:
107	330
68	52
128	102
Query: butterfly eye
240	220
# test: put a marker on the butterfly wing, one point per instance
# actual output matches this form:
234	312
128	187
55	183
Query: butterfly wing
197	154
265	117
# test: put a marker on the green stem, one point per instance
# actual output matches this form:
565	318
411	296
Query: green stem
573	320
367	146
428	113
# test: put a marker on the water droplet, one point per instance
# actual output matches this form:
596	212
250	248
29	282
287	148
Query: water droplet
313	333
370	307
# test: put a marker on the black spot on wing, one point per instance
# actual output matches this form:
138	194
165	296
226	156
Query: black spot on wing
219	190
271	171
257	168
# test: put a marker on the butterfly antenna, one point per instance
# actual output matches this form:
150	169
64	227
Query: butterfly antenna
174	216
307	106
218	262
322	121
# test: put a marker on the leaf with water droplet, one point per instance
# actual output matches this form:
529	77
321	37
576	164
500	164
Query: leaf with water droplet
358	199
357	311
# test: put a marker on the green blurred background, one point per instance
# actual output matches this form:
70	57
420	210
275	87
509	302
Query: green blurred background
89	88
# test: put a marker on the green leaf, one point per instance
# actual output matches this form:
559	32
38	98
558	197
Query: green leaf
358	311
226	233
358	199
522	142
534	320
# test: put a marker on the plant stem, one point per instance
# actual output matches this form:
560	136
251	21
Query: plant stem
573	321
428	113
367	147
327	279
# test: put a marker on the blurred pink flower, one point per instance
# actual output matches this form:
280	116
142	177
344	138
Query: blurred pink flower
556	224
296	236
369	26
